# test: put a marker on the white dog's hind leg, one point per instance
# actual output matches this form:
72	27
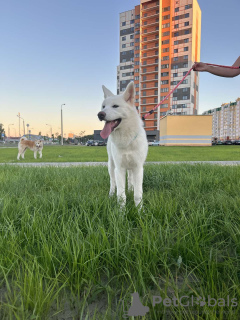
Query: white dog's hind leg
120	175
137	185
130	180
40	153
111	171
23	153
18	156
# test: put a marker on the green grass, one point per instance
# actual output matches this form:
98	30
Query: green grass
98	154
67	249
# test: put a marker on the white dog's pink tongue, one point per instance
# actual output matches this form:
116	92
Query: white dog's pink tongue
107	129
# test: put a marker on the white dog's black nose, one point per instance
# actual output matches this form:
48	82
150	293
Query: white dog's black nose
101	115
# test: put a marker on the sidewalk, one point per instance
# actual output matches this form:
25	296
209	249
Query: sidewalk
76	164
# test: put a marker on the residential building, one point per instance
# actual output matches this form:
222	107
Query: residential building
159	43
226	121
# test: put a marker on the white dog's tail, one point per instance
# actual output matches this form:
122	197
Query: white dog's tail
23	138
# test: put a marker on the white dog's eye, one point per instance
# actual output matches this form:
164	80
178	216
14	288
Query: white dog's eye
115	106
103	107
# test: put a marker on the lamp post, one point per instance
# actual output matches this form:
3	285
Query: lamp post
50	127
62	124
19	125
12	124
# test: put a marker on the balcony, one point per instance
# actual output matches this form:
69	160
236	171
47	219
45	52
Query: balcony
156	6
151	48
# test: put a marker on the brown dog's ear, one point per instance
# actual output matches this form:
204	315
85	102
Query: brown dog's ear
129	93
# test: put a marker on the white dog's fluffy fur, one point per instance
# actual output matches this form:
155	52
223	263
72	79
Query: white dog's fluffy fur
35	146
127	145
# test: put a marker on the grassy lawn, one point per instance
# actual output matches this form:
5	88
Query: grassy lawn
96	154
68	252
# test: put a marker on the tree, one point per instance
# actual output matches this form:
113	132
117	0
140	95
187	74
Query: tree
2	130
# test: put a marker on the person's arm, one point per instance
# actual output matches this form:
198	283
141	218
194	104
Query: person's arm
218	71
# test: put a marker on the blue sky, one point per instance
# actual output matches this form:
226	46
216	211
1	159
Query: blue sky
62	51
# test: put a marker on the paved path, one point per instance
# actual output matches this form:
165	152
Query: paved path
75	164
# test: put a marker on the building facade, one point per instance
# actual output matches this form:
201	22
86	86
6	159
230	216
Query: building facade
159	42
225	121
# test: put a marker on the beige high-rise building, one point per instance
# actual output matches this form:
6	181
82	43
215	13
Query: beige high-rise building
226	121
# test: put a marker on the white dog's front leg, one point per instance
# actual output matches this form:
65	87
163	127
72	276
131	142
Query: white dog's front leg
111	171
130	180
35	154
40	153
18	156
137	185
120	175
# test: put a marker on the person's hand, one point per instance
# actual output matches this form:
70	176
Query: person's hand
199	66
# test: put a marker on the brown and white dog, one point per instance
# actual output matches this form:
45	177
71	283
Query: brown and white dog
35	146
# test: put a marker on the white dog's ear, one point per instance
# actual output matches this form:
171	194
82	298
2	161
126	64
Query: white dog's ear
129	93
107	93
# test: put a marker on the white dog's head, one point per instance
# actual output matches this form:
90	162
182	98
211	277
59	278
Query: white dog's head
116	109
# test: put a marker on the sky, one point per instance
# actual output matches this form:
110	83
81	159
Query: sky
63	51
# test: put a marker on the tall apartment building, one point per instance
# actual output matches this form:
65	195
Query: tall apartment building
226	121
159	42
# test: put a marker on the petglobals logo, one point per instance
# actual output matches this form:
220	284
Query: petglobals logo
138	309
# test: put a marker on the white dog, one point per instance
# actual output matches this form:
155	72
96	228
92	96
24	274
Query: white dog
127	145
35	146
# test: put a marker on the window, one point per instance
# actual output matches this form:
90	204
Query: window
175	51
176	42
185	65
145	15
165	33
166	17
185	57
137	25
165	58
164	74
137	48
137	55
185	97
156	68
136	70
136	63
175	59
144	78
156	76
123	23
165	50
144	102
137	16
145	39
176	18
144	70
132	21
187	6
165	42
165	66
185	48
184	73
176	26
156	92
156	84
136	100
136	78
186	31
137	32
145	31
186	40
164	90
137	85
144	93
175	75
186	15
145	23
145	54
176	9
186	23
124	60
132	36
176	34
164	82
123	38
123	46
156	60
174	98
166	25
155	101
137	40
145	47
144	86
175	66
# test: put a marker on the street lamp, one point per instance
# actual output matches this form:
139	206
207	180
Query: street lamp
12	124
50	127
19	125
62	124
